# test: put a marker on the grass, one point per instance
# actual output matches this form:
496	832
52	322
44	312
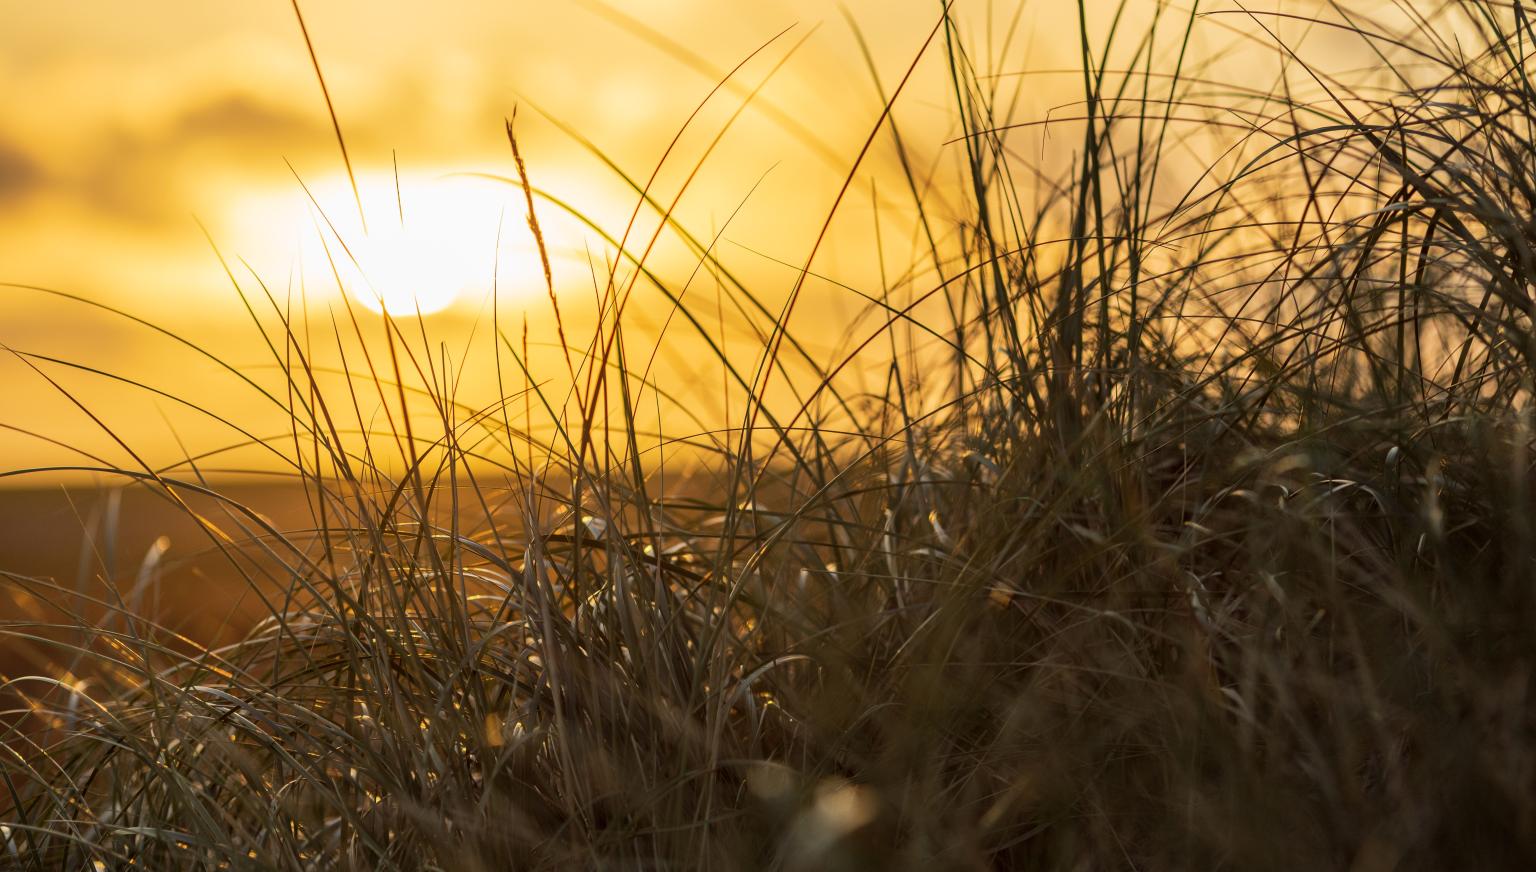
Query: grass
1196	533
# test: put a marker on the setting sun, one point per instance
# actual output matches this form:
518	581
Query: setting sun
421	266
432	240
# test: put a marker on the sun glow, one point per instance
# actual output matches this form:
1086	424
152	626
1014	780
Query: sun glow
430	241
425	266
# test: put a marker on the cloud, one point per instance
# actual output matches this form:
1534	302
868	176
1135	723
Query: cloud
151	177
243	119
19	174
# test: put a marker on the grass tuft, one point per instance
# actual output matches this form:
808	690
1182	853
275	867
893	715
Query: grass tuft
1187	524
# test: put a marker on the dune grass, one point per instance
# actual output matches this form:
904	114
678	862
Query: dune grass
1197	534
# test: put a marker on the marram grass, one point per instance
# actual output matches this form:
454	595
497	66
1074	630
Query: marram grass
1197	535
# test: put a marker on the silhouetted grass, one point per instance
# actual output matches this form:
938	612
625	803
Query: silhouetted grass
1196	535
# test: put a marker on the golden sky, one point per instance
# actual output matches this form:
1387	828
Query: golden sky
130	127
125	122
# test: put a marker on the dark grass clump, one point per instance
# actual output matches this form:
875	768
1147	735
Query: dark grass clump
1196	534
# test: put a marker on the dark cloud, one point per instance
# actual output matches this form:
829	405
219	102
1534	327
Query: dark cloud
148	176
240	119
19	174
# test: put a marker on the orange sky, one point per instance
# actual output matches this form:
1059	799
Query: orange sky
125	122
129	125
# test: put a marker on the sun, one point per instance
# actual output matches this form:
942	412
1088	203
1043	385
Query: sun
438	244
419	267
405	245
